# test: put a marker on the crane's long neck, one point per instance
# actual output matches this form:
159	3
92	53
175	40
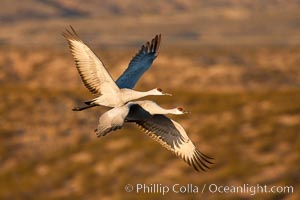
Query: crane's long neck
162	111
132	95
170	111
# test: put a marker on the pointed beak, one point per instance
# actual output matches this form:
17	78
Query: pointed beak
186	112
167	94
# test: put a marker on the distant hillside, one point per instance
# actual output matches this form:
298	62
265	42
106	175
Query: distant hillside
119	23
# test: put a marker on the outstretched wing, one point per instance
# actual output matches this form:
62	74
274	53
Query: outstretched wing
92	71
172	136
139	63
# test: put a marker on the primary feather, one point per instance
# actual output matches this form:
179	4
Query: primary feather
90	68
140	63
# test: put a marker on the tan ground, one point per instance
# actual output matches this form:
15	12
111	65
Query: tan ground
245	113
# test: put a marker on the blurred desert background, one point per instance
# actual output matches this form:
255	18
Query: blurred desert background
234	64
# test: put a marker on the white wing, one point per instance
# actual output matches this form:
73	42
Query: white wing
92	71
172	136
139	64
112	120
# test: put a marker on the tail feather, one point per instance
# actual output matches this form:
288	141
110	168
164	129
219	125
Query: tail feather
84	107
89	102
103	131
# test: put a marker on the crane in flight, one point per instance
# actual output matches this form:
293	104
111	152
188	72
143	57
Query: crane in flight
151	118
119	95
99	82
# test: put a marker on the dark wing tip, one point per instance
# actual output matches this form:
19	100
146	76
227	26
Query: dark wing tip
157	44
151	47
205	157
71	34
201	161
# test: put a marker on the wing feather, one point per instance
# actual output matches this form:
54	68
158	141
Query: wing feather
112	120
140	63
173	137
91	70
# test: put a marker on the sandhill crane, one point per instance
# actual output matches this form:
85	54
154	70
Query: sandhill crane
138	65
97	79
151	118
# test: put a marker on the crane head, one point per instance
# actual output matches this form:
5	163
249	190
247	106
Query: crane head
159	91
180	110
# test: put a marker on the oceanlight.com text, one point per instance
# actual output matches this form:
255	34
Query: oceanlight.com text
249	189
